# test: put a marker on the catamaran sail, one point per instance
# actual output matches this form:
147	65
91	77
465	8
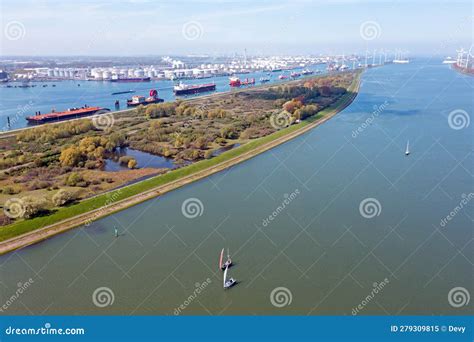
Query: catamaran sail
221	258
225	276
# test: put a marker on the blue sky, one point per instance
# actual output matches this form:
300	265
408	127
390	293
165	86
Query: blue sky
146	27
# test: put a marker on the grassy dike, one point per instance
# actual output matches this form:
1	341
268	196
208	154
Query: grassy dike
27	232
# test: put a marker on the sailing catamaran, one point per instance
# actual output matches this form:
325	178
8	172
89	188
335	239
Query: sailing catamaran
227	263
228	283
407	151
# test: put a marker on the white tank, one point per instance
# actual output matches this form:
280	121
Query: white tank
139	73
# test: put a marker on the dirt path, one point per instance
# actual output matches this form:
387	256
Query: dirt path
59	227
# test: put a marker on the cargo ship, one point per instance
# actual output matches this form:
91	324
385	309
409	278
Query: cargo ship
71	113
131	79
138	100
186	89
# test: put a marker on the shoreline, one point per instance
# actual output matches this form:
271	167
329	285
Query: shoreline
287	134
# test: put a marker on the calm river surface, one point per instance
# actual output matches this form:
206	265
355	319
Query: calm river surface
317	255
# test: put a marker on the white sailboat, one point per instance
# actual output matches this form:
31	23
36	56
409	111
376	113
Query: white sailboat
228	283
407	151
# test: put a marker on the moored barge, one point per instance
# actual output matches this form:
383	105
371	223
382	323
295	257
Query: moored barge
71	113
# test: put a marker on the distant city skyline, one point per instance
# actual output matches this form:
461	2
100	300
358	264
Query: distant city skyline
143	27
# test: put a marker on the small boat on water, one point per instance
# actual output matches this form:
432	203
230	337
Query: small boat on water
449	60
407	151
248	81
228	283
264	79
123	92
227	263
295	74
282	77
306	72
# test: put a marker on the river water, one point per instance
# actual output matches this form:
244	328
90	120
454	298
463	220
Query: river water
300	239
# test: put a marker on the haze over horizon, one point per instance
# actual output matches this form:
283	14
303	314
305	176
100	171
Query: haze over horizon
144	27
